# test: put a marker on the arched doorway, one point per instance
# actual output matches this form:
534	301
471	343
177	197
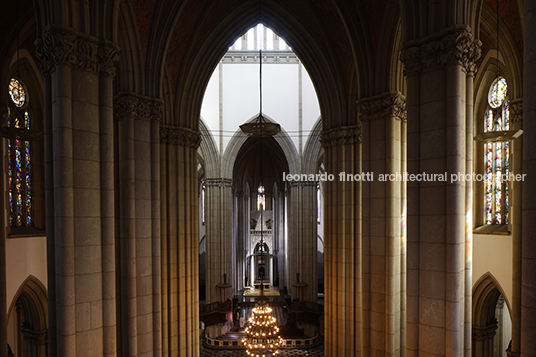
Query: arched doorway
28	320
492	325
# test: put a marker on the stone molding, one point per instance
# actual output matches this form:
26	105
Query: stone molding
346	135
180	136
516	110
61	45
484	333
456	47
383	107
218	182
302	183
140	108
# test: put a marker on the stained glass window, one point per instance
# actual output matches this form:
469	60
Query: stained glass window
19	157
497	156
17	93
261	198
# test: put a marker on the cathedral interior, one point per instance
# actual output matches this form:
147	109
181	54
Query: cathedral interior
354	177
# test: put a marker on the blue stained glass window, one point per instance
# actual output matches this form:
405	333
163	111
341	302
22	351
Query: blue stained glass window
19	157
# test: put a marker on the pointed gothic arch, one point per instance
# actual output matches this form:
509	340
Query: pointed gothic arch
239	138
29	315
487	292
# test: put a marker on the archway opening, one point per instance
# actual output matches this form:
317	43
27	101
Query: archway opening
492	324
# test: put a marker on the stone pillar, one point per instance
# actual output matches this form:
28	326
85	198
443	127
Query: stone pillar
528	261
137	122
240	237
180	241
498	347
78	70
278	236
516	213
343	244
382	119
437	72
218	238
303	242
469	225
482	338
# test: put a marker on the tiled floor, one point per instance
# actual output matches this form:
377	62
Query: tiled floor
314	352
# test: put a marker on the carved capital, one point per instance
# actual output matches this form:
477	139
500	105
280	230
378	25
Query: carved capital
64	46
386	106
484	333
138	107
38	338
180	136
108	55
516	110
218	182
457	47
341	136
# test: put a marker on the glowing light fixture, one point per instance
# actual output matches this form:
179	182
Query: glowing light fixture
262	334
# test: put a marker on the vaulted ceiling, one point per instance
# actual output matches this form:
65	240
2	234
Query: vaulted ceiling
343	44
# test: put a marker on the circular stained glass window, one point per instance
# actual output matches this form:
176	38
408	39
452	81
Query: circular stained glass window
497	93
16	92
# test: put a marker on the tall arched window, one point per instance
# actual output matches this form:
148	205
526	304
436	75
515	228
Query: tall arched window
19	158
497	156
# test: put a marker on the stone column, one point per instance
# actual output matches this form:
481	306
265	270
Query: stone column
343	244
180	241
303	241
137	122
482	338
240	236
382	118
78	70
528	260
516	213
277	238
469	225
218	226
437	207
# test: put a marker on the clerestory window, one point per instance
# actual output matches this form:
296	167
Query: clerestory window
19	156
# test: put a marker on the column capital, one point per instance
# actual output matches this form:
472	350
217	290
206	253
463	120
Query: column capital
484	333
341	136
218	182
383	106
138	106
38	338
455	46
516	110
180	136
64	45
